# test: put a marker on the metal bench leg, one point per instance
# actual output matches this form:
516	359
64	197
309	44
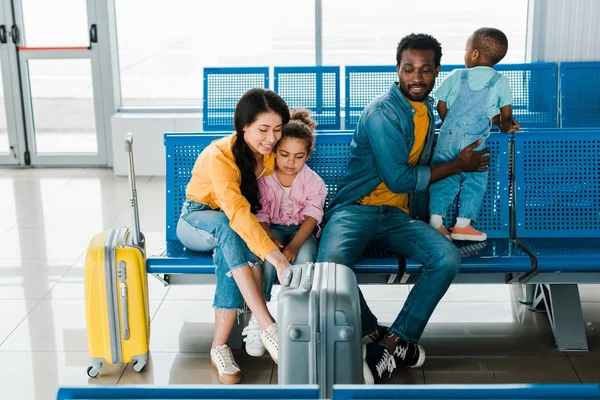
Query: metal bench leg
528	291
538	302
566	317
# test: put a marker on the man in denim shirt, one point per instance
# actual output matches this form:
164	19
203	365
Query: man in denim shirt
383	200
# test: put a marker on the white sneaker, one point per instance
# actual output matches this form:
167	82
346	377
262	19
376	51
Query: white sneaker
222	359
269	340
254	346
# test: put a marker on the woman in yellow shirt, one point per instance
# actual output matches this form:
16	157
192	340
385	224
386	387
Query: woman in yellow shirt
219	216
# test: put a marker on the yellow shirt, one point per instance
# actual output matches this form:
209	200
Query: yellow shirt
216	181
382	196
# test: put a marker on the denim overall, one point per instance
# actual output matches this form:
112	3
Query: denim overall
465	123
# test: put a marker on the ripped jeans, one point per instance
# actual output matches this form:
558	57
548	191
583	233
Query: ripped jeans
200	228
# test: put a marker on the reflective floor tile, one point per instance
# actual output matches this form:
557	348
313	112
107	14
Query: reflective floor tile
183	326
30	279
483	293
192	292
71	286
54	325
38	375
48	243
513	369
12	313
195	368
587	368
589	292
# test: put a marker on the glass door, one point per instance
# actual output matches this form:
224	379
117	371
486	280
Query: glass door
11	120
60	82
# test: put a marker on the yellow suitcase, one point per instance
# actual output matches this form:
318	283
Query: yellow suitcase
116	292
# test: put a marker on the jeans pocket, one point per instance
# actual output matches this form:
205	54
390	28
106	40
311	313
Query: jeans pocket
468	140
191	206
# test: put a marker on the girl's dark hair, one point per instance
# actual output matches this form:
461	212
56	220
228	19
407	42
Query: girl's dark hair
251	105
301	126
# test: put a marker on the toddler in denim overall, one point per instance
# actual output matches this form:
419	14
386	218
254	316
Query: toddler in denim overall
470	100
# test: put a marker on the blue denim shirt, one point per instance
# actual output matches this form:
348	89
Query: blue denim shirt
379	153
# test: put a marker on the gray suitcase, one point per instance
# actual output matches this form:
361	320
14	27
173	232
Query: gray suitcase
318	318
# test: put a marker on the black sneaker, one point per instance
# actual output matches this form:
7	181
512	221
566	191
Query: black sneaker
378	334
411	355
376	360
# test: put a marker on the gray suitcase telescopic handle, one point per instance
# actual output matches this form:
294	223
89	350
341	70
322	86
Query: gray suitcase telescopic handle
135	228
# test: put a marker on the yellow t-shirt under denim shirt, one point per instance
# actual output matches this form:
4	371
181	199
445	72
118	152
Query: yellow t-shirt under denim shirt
382	196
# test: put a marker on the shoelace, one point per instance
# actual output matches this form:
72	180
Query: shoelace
400	351
270	338
252	333
225	356
387	363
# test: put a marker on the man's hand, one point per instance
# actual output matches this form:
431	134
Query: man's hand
290	252
470	160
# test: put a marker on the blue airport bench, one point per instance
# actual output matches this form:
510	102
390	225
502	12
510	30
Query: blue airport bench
534	87
460	392
498	254
231	392
580	94
316	88
223	87
557	197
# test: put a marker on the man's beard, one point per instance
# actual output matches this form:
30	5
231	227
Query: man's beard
406	91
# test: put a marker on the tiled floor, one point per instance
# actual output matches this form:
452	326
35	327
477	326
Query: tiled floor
478	334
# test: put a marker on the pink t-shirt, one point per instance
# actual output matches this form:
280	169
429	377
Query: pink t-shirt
306	198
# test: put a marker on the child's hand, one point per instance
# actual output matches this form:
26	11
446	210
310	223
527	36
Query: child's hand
514	126
290	252
277	243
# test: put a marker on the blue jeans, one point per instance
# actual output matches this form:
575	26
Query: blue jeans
352	228
471	185
307	253
201	228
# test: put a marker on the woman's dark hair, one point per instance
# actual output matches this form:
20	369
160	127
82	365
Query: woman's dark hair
301	126
251	105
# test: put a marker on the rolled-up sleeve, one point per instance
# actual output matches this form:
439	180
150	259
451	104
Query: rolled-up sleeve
225	178
264	214
315	199
391	156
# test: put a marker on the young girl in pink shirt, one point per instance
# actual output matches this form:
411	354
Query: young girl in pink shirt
292	201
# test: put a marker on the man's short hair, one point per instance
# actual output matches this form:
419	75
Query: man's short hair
492	42
420	41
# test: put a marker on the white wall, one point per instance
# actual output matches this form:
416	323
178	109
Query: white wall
148	132
564	30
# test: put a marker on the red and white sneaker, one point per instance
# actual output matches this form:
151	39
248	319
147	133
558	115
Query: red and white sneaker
444	231
469	233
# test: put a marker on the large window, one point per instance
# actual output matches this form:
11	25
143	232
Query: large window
359	32
163	46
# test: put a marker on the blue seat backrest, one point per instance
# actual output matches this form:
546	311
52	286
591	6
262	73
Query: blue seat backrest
580	94
557	183
191	392
223	87
316	88
494	216
534	87
460	392
332	151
